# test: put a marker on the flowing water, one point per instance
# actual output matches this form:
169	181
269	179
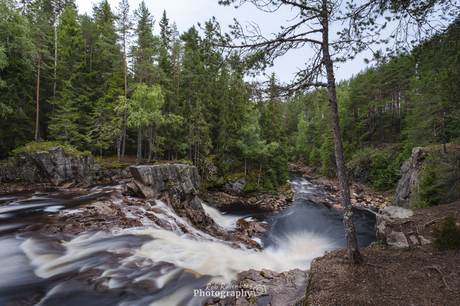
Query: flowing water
149	265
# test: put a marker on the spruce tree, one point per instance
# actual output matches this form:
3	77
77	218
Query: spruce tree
70	94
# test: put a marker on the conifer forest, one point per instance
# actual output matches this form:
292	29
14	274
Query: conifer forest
104	83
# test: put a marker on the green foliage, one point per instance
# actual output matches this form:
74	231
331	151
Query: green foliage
235	176
385	169
117	165
328	157
189	162
270	180
448	237
252	186
32	147
315	157
439	182
363	155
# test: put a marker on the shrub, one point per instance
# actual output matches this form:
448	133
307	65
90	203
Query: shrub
190	163
439	180
251	187
43	146
362	156
385	169
270	180
448	237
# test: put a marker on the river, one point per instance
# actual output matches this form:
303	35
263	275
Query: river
148	265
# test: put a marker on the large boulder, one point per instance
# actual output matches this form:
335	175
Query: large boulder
52	166
385	229
267	288
180	180
410	176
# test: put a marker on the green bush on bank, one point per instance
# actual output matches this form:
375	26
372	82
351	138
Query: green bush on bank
448	237
385	169
33	146
439	179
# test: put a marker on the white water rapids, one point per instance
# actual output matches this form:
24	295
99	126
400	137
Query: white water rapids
149	265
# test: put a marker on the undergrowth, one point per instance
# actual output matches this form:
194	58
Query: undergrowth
448	237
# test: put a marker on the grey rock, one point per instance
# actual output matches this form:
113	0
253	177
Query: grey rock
56	167
410	177
275	289
179	179
385	235
397	240
236	186
396	212
424	241
414	240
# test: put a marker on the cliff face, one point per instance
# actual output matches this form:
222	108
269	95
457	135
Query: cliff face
180	181
178	184
56	167
410	177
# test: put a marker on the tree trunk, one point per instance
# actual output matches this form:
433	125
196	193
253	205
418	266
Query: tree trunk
126	96
124	136
139	146
380	125
443	131
55	59
150	143
260	171
348	221
118	148
38	95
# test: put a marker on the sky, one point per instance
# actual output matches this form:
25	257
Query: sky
187	13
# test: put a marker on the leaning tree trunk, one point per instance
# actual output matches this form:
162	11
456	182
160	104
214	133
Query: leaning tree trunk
348	221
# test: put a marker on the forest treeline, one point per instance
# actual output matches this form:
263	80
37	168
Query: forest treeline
103	82
106	84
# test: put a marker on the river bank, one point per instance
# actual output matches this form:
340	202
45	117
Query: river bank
111	239
101	239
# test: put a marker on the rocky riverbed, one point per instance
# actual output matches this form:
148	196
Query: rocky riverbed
150	233
361	196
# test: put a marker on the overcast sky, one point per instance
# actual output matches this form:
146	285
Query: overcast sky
187	13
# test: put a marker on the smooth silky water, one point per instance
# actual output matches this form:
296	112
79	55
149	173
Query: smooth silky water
149	265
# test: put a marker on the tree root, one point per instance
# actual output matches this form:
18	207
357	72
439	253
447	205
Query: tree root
442	275
433	221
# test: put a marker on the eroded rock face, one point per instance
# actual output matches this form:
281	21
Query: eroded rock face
56	167
179	179
410	176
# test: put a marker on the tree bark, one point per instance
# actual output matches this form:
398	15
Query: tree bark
139	145
124	136
348	221
38	95
55	58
